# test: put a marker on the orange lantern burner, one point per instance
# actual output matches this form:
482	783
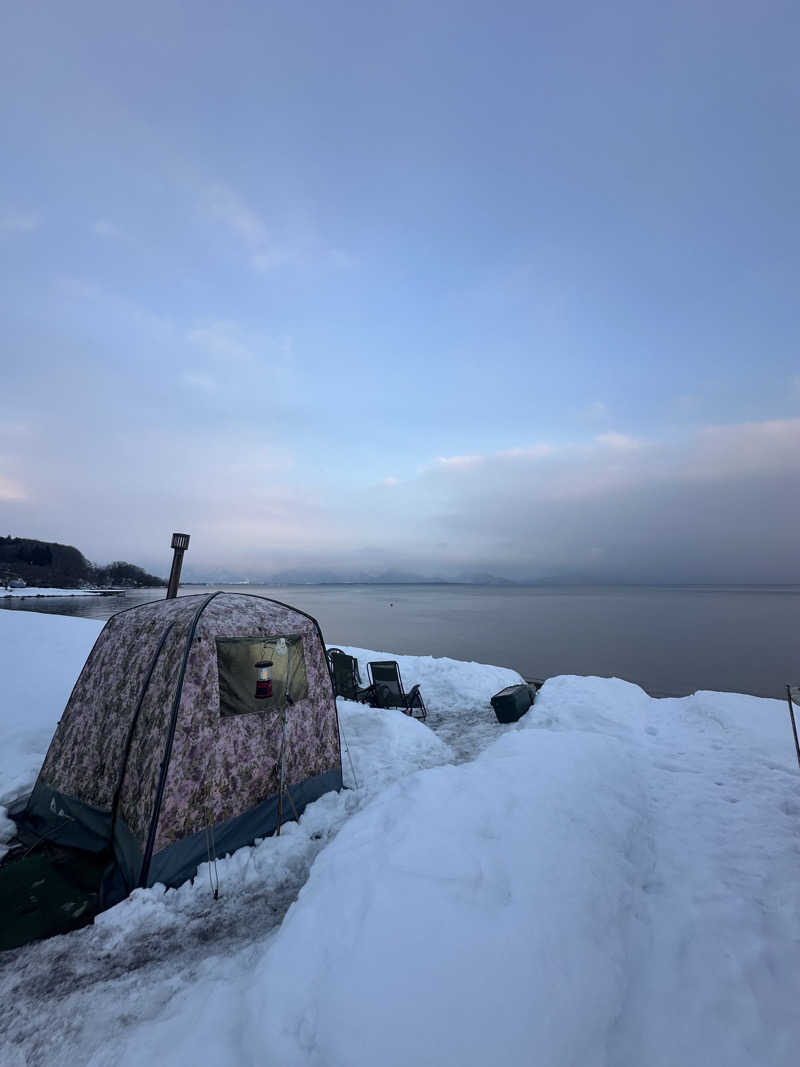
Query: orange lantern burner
263	678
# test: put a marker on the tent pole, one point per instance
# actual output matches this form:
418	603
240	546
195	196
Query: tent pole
282	785
281	781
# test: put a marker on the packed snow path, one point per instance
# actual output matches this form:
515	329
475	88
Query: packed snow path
613	881
717	978
714	930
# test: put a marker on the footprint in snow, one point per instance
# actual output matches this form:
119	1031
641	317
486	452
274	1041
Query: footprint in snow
679	768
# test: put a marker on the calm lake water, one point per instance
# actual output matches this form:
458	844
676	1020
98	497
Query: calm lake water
671	640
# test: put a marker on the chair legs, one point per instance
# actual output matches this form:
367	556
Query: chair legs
380	696
415	702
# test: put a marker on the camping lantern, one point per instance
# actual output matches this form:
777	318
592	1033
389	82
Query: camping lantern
263	678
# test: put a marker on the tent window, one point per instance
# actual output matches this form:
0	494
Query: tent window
236	661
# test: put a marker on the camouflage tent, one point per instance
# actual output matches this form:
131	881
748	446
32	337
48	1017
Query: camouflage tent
165	752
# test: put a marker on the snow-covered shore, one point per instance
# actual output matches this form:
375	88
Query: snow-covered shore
34	590
611	881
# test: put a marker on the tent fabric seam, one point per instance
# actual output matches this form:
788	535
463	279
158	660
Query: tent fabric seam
129	740
151	836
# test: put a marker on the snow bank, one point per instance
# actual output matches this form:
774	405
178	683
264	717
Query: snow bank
41	657
489	900
469	915
33	590
609	706
609	881
448	685
381	745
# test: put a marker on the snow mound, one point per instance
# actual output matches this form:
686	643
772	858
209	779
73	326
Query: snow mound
463	893
467	915
447	684
381	745
41	657
608	881
599	705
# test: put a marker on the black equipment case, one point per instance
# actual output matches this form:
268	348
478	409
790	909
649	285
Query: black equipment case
513	701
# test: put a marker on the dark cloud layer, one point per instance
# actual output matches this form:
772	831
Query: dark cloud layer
719	505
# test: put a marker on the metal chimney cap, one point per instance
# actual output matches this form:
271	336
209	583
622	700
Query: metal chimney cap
180	540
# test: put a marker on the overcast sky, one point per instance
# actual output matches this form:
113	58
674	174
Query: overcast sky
506	286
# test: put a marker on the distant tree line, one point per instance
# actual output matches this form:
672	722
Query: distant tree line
46	563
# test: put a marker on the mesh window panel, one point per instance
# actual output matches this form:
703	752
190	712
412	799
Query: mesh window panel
236	661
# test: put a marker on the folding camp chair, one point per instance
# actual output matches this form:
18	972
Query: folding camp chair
345	676
388	692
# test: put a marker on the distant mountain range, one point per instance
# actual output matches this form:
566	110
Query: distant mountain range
47	563
310	576
330	577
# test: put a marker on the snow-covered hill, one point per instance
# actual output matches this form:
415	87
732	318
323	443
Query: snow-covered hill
614	880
